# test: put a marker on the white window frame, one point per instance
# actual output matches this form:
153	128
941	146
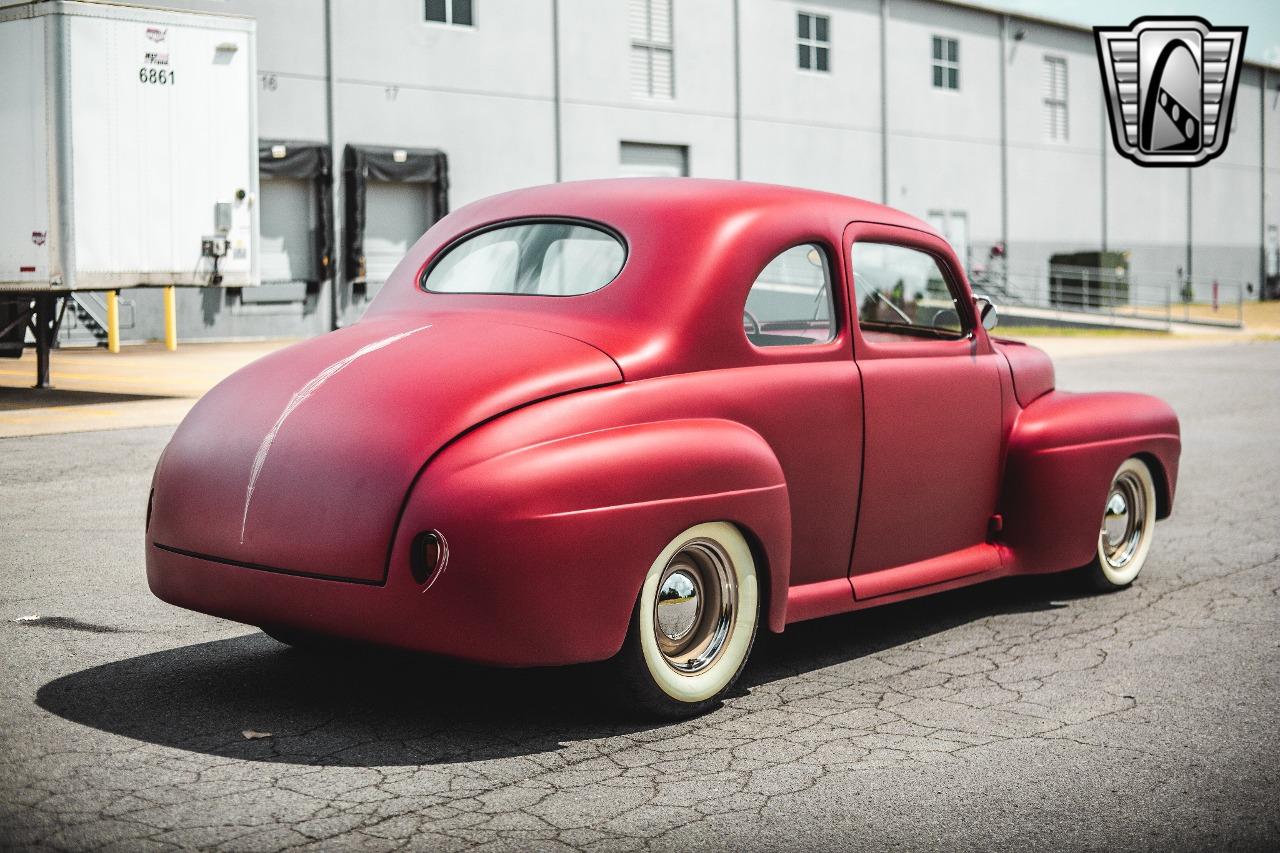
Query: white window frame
812	42
652	46
945	63
944	221
1052	102
448	15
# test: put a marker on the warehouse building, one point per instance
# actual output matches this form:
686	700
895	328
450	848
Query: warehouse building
376	117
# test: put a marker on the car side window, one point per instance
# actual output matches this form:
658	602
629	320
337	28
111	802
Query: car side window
904	291
790	303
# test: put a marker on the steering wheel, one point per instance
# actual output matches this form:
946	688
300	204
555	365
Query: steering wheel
749	323
946	318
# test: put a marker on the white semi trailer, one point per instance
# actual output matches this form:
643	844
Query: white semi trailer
128	155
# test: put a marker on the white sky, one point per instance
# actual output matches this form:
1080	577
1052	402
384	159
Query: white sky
1262	17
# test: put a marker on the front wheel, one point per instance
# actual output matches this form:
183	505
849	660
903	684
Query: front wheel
1128	522
693	624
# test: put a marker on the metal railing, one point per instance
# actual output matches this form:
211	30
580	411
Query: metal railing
1115	294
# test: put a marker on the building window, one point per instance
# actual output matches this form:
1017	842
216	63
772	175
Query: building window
946	63
813	36
1055	97
652	56
954	227
459	12
647	160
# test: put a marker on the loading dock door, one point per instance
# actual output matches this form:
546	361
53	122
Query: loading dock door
288	250
397	215
391	196
295	218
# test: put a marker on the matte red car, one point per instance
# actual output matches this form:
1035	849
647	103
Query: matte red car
636	419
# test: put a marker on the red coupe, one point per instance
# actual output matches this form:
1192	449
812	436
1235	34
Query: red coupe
635	420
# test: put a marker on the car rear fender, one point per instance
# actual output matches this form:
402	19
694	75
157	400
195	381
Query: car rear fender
1063	451
550	539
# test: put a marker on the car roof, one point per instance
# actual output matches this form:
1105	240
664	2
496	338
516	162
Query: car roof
693	248
611	198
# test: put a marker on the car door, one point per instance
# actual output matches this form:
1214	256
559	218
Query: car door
932	404
802	396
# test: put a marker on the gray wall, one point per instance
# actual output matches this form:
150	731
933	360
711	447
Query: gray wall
487	96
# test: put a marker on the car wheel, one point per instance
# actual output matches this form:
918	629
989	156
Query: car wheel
1128	522
693	624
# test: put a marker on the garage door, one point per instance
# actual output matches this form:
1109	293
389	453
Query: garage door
645	160
288	249
398	214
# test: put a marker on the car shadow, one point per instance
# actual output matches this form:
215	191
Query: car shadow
16	399
819	643
252	698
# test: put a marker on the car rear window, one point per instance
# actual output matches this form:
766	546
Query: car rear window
529	259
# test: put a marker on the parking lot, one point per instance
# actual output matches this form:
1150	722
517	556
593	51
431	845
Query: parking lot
1014	715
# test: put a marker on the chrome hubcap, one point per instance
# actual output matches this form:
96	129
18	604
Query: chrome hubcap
1124	521
693	612
679	603
1116	521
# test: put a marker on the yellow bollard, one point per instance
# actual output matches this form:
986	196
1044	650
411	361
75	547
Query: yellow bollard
170	319
113	321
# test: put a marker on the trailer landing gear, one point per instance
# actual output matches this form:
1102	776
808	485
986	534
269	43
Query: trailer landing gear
39	313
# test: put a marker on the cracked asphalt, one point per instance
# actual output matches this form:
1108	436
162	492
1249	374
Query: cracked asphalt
1015	715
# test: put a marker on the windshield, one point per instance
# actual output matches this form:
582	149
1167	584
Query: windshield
530	259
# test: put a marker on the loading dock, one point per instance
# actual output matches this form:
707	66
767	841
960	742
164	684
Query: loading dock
392	195
296	218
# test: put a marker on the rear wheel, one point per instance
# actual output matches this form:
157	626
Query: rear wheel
1128	522
693	624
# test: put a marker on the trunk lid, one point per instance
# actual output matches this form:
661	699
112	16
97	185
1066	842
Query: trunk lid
301	461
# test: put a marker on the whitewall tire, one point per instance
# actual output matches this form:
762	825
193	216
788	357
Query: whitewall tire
693	624
1128	525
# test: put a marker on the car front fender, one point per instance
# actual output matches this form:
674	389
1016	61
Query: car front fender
1062	453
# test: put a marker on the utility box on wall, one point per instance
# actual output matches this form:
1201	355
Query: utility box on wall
128	148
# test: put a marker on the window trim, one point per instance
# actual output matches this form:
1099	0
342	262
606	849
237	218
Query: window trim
813	42
448	16
439	254
833	285
944	63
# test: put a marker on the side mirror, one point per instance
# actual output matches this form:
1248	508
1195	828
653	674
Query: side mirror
986	311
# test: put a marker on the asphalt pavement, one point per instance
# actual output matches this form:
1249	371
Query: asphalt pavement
1016	715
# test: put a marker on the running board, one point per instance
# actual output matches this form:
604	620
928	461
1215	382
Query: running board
840	595
958	564
824	598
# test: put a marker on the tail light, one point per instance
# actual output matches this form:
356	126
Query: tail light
429	556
